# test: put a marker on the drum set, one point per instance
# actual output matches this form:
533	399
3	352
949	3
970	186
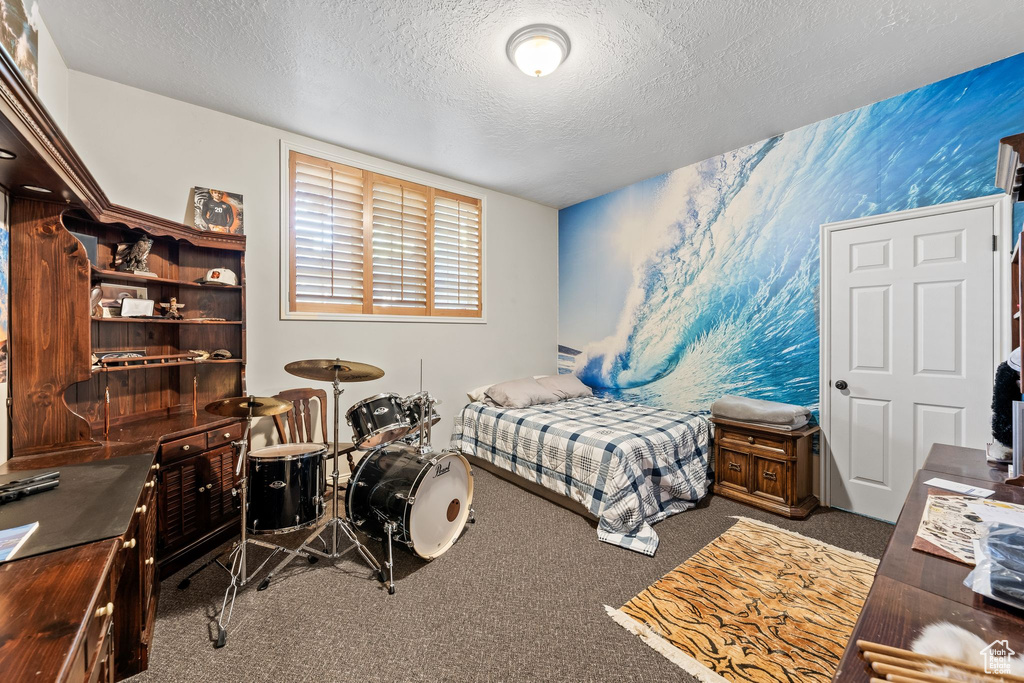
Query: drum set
401	492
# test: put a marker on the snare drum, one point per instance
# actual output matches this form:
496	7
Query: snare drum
286	487
427	497
377	420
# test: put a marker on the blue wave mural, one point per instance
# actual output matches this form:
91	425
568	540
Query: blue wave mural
704	281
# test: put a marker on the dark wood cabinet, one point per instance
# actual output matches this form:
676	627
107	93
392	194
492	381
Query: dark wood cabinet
765	467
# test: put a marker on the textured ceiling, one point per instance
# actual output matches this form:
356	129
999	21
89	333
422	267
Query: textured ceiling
648	87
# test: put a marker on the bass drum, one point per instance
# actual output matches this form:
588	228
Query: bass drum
286	488
427	497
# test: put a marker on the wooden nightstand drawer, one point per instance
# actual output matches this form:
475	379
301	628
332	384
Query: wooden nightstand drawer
733	469
224	435
771	479
768	444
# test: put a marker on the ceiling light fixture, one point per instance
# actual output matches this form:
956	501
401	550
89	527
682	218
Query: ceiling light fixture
538	49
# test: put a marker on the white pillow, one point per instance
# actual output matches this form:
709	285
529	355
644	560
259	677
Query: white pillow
479	393
520	393
565	386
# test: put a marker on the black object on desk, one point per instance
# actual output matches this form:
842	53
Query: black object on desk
13	490
95	500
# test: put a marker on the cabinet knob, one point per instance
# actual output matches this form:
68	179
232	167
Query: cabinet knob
128	545
150	484
141	508
201	489
186	447
149	560
155	466
227	435
750	439
105	610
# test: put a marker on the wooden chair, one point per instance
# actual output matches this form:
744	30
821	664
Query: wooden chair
299	420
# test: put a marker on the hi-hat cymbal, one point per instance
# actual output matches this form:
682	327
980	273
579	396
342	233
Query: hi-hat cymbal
239	406
325	370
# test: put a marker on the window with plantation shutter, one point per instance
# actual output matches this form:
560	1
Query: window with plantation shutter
365	243
456	254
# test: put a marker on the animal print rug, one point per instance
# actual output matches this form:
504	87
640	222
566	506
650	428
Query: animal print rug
758	603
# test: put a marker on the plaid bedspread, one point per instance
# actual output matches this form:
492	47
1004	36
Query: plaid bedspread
630	465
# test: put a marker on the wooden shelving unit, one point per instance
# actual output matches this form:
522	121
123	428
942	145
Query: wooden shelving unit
165	321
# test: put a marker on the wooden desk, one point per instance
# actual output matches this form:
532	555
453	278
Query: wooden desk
913	589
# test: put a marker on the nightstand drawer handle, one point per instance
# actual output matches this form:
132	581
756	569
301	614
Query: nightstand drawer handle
155	466
770	475
141	509
734	466
128	545
149	560
227	435
750	439
186	447
149	484
106	610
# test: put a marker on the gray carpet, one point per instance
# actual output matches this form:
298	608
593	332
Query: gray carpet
519	598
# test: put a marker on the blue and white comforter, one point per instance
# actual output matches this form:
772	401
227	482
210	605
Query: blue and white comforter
630	465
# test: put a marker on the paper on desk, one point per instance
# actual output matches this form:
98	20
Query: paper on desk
959	488
998	512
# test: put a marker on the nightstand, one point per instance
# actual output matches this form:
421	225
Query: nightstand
764	467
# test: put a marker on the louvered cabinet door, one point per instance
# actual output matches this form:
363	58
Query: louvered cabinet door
219	477
178	508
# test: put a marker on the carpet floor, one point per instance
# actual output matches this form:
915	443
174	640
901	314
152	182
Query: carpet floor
519	598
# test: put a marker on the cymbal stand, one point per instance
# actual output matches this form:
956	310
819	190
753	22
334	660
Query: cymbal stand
336	521
238	556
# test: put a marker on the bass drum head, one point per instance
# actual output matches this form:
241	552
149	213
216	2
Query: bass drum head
441	506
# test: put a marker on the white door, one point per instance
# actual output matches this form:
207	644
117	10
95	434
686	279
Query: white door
912	349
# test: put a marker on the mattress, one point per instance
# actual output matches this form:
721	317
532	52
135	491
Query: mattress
630	465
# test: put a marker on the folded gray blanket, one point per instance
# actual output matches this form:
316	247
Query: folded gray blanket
756	410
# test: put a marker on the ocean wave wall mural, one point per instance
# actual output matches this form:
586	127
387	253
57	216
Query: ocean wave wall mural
704	281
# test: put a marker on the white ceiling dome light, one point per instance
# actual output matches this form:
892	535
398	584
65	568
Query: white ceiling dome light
538	49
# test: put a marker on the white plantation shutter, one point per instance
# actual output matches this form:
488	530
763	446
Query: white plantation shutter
399	245
370	244
456	254
327	235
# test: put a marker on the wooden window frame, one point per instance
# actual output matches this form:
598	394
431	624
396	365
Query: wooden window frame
368	312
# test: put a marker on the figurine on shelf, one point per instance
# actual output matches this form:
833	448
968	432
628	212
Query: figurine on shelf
134	258
172	309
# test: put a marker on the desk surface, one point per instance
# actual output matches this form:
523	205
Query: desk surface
45	607
913	589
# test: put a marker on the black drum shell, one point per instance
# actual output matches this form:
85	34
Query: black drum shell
377	421
383	482
298	503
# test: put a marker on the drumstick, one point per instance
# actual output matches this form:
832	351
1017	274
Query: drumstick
868	646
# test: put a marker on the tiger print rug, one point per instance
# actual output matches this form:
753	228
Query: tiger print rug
758	603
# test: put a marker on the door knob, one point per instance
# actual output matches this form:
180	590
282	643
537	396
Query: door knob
841	384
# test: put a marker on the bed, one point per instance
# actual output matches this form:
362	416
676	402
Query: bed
630	466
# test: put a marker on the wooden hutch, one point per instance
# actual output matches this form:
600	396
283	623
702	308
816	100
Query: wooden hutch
66	408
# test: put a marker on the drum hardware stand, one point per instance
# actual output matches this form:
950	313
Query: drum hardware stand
390	528
336	521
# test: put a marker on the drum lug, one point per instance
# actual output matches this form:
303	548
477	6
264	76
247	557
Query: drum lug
411	500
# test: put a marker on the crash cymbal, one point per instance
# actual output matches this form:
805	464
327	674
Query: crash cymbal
238	406
324	370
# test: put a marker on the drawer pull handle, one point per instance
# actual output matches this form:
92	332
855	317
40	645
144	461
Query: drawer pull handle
106	610
734	466
128	545
155	466
750	439
149	484
201	489
141	508
149	560
186	447
770	475
227	435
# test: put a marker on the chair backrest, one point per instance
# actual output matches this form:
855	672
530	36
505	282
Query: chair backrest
296	426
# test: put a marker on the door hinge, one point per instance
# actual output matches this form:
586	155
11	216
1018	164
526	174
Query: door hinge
995	243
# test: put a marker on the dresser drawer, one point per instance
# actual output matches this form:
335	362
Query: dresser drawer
767	444
180	448
98	628
732	469
224	435
771	479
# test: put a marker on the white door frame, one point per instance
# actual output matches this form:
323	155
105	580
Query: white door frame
1003	229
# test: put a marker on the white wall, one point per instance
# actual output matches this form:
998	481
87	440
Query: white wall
53	78
147	151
